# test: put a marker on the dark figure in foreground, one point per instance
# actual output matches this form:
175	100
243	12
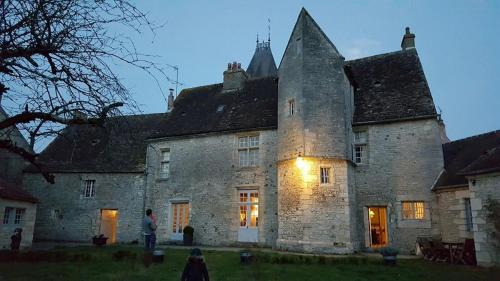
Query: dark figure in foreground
195	269
149	228
16	239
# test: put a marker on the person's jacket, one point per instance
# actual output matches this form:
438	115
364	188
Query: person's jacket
195	270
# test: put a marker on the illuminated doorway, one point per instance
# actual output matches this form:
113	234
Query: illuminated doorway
180	219
248	216
109	220
377	217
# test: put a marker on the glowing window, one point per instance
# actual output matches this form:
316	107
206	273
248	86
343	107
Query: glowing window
414	210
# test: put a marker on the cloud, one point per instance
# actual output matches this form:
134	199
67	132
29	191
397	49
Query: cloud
361	47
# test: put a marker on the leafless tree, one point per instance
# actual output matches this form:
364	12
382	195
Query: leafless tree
58	61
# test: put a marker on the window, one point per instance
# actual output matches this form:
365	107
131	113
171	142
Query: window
89	190
291	107
6	214
18	214
165	164
360	144
248	151
249	208
413	210
468	215
325	175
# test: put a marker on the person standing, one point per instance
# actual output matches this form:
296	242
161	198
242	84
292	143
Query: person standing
149	228
16	239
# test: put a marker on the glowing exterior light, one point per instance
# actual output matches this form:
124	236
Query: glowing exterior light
304	166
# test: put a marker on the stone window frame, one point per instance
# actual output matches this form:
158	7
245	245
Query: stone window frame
247	149
362	145
85	186
411	213
162	161
329	176
291	107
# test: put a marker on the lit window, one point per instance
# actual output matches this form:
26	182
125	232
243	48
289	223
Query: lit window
360	145
325	175
248	151
291	107
19	216
89	188
249	209
6	215
165	164
468	215
413	210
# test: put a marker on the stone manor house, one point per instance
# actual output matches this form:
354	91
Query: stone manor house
317	155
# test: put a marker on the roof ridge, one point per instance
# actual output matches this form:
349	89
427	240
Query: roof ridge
474	137
380	55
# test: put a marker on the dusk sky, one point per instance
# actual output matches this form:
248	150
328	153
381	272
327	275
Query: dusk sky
458	43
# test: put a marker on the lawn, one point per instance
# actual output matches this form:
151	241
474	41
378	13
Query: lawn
95	264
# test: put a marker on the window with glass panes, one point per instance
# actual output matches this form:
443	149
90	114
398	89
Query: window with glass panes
6	215
248	151
468	215
360	145
249	208
413	210
325	175
165	163
19	216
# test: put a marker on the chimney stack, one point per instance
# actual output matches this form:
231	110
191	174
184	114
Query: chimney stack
408	41
170	101
234	77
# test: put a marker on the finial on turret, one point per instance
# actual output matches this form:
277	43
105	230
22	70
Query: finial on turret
268	30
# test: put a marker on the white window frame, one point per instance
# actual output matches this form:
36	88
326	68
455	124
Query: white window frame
246	145
164	161
6	215
360	146
291	107
13	215
413	212
19	215
325	179
88	188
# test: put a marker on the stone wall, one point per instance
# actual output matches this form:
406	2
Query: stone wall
27	223
486	237
315	217
451	210
205	172
64	213
404	160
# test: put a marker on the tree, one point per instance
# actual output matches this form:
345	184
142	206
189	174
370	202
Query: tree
58	62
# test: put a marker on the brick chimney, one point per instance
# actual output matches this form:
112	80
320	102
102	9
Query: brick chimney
234	77
170	101
408	41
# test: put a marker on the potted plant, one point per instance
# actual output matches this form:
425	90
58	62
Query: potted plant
389	255
99	240
188	235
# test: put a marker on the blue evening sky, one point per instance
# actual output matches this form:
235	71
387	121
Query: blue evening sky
458	43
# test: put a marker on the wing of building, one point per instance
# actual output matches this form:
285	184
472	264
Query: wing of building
319	155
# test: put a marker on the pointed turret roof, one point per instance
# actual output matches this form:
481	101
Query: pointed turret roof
262	63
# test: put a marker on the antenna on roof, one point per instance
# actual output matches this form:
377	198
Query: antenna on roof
257	38
268	30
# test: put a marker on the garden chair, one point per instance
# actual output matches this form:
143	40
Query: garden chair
425	247
439	252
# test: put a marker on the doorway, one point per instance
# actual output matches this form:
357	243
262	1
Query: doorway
109	218
248	216
180	218
377	217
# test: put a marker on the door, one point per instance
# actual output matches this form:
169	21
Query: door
180	218
249	216
109	220
377	217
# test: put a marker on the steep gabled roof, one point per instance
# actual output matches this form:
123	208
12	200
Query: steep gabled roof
15	192
209	109
118	146
468	156
390	87
262	63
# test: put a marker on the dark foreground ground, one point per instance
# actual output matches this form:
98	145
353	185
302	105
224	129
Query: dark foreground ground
127	263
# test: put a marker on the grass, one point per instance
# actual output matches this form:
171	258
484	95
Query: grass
126	263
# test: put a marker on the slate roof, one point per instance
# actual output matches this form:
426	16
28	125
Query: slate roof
118	146
262	63
209	109
14	192
390	87
476	154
